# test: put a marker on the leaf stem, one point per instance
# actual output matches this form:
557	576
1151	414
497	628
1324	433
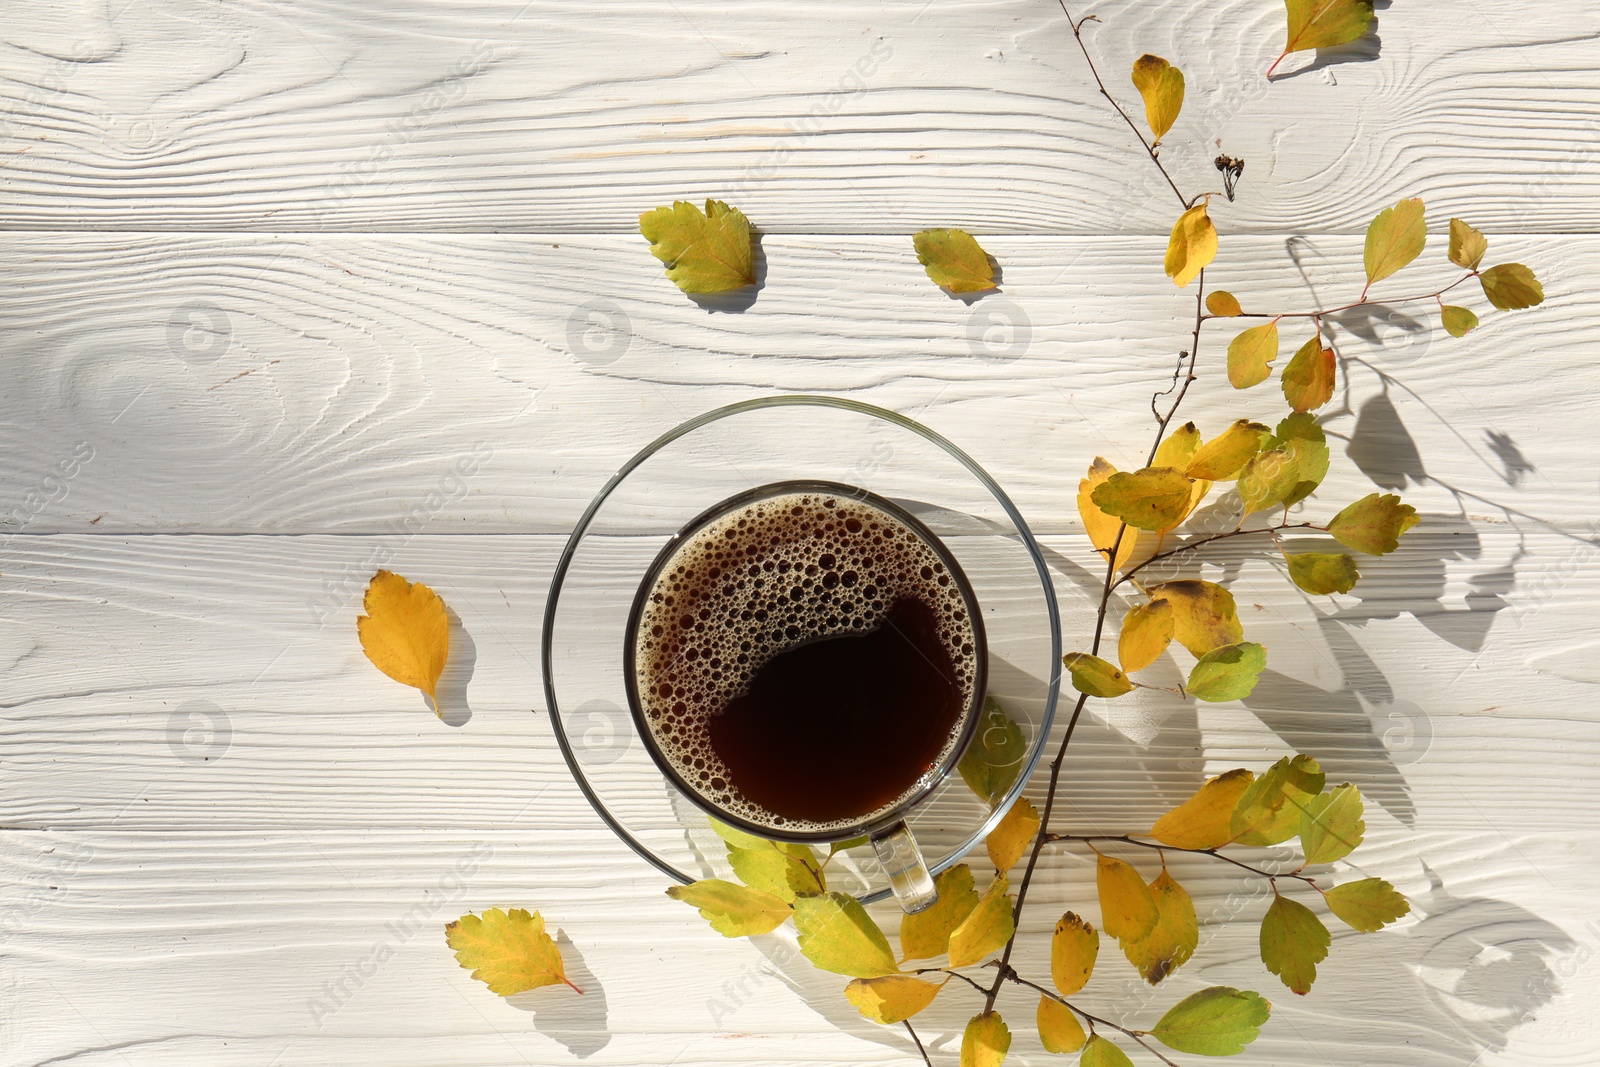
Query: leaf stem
1094	1020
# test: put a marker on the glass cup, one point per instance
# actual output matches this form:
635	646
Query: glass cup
699	469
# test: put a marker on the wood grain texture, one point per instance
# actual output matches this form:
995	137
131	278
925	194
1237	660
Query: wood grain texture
332	383
320	115
299	288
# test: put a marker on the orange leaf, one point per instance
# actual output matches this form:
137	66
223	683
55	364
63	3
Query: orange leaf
405	632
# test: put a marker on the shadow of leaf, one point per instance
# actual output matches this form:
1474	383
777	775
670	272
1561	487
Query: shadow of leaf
578	1022
458	668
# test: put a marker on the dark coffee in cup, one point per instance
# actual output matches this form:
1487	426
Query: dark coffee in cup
806	659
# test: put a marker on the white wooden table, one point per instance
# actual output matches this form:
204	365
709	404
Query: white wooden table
274	267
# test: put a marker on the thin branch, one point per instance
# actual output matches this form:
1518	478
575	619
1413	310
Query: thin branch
918	1040
1127	840
1194	351
954	974
1094	1020
1077	32
1192	545
1363	302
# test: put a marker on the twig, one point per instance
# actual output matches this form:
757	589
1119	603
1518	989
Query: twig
1077	32
1094	1020
918	1040
1127	840
1363	302
1192	545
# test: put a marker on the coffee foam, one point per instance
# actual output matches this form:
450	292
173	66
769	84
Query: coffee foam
753	583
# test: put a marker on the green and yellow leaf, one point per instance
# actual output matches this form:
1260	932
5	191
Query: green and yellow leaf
508	951
1219	1021
1073	951
1154	498
1268	813
1192	246
1251	353
1467	245
1293	942
1367	905
1373	524
1008	841
1308	378
1059	1029
838	935
780	873
1127	910
954	260
1204	615
1205	819
704	251
1099	1052
1227	673
1331	825
985	1041
892	998
1394	239
1146	632
1096	677
1103	529
1321	573
994	758
926	934
1161	86
987	929
733	910
1458	321
1511	287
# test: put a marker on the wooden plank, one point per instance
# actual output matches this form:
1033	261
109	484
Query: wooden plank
855	117
299	947
325	383
194	682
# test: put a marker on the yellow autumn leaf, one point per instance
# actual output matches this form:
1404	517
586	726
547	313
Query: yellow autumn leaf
405	632
733	910
1102	528
1308	378
987	929
985	1041
1223	304
1394	239
1192	246
1511	287
1204	615
1174	937
1221	458
1178	448
1270	810
954	260
1146	632
508	951
1009	840
704	251
1059	1028
1467	245
892	998
1250	353
1323	24
926	933
1205	819
1127	911
1161	85
1073	951
1153	498
838	935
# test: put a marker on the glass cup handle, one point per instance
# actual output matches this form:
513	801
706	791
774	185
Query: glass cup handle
908	873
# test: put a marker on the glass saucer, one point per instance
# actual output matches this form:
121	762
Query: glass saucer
713	457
